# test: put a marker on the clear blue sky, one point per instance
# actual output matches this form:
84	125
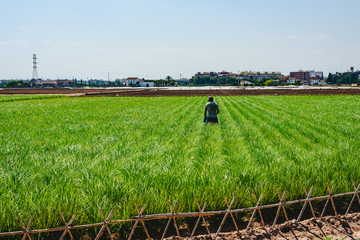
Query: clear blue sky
156	38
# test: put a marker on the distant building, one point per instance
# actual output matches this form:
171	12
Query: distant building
36	81
206	74
224	74
118	81
314	82
303	76
258	75
291	81
98	82
65	83
131	81
147	84
283	79
245	82
136	82
46	84
316	75
245	75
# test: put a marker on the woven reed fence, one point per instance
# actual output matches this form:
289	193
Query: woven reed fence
173	215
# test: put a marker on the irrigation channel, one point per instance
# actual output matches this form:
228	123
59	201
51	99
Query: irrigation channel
173	215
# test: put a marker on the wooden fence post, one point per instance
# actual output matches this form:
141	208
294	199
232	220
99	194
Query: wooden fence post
279	208
172	209
105	225
67	225
226	214
330	197
198	220
137	221
304	206
26	229
353	198
253	214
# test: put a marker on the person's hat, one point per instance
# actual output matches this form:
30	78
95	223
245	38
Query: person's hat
210	99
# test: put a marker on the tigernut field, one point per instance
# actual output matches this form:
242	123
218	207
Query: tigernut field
70	154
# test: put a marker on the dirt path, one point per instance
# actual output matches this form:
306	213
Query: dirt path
158	92
329	228
80	91
239	92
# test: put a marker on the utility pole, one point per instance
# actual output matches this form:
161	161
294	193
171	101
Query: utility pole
35	76
109	78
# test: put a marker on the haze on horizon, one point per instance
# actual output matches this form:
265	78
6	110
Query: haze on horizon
156	38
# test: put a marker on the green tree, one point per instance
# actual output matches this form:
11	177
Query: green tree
17	84
268	82
330	78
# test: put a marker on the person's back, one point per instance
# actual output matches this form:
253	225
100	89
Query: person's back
211	111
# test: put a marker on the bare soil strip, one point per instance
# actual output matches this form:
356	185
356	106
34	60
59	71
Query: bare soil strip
7	91
346	227
240	92
159	92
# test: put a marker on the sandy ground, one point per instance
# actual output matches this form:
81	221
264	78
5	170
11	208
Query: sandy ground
329	228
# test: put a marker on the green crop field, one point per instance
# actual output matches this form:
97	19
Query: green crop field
74	154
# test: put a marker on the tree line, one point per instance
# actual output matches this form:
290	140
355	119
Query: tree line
18	84
230	81
343	78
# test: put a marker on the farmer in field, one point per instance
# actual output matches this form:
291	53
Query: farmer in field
211	111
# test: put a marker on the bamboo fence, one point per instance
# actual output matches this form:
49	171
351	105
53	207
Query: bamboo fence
173	215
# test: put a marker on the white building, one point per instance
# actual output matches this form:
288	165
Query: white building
147	84
314	82
291	81
131	81
243	82
135	81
